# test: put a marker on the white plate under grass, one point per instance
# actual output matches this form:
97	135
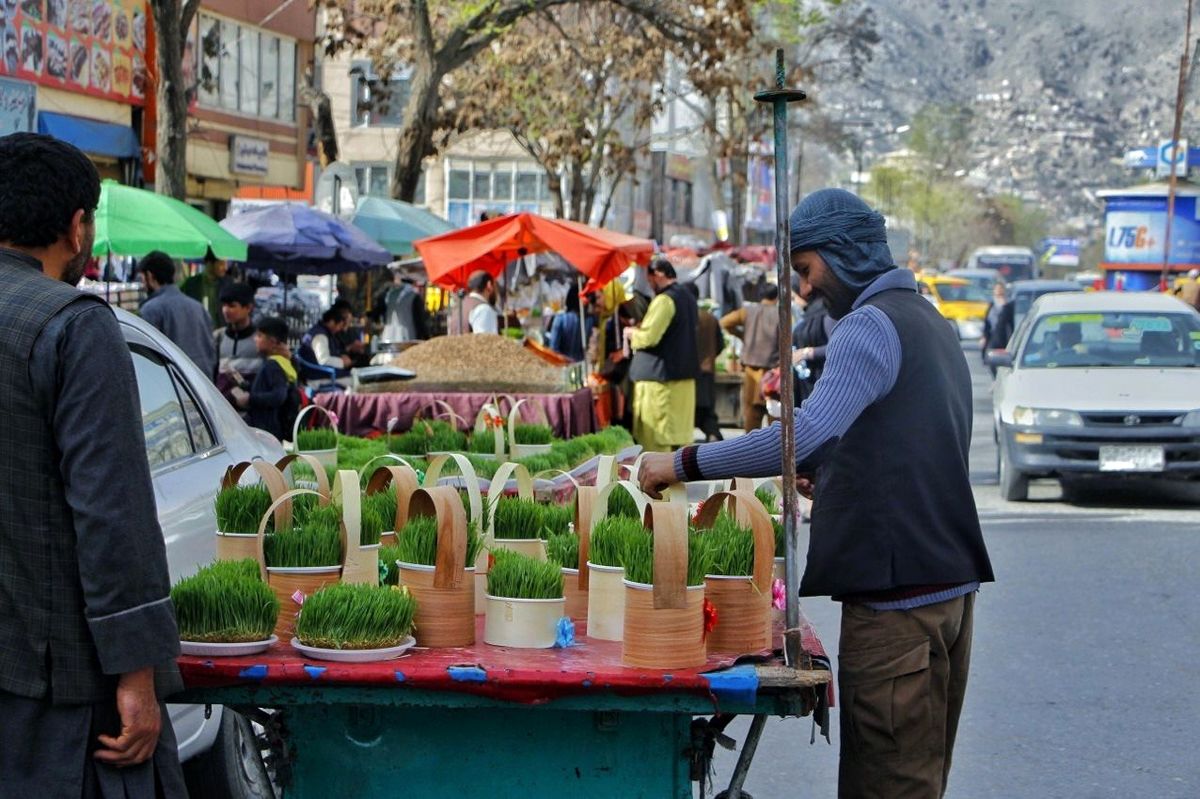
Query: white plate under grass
211	650
354	655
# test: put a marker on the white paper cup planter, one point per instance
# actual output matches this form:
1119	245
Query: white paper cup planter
516	449
522	623
531	546
605	583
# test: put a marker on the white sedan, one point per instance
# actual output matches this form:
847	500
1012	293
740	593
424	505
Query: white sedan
1099	383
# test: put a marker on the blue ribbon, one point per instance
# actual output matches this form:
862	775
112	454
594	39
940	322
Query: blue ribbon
565	633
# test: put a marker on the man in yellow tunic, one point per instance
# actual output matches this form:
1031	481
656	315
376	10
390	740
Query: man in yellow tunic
665	364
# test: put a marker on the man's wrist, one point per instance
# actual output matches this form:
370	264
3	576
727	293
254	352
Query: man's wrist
687	467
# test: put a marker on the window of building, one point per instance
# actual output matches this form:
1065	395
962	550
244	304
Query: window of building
246	70
678	202
374	101
375	180
478	186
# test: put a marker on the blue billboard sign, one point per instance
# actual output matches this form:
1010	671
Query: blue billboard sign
1135	229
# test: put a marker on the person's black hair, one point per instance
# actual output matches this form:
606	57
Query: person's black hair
334	314
161	265
43	182
692	289
479	280
661	266
769	292
274	327
342	305
238	294
572	302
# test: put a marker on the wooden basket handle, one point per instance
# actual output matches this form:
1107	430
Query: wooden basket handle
496	486
271	477
285	498
670	530
585	505
446	412
748	511
365	473
497	432
474	496
542	475
600	506
443	504
305	412
514	416
357	567
404	478
322	477
606	470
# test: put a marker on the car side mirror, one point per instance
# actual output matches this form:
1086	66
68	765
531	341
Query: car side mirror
998	359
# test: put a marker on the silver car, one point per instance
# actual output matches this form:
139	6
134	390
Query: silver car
1104	383
192	437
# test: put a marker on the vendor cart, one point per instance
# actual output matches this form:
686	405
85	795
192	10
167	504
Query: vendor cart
499	722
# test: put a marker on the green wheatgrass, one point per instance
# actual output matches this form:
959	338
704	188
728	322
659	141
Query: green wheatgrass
483	443
516	576
638	558
607	545
621	503
317	541
564	550
557	519
373	525
319	438
518	518
240	508
345	616
446	439
411	443
780	538
388	556
417	543
530	434
225	603
730	545
382	503
768	498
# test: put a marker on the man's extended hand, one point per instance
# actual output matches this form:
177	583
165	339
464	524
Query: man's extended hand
657	472
804	485
141	721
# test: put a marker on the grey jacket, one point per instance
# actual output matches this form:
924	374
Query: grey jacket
185	322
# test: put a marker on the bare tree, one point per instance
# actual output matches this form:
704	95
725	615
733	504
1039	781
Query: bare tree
172	18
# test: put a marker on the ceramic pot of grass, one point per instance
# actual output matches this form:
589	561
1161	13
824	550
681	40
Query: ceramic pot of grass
322	442
388	491
225	609
736	530
297	562
433	552
525	602
618	512
239	508
664	593
475	514
528	440
356	624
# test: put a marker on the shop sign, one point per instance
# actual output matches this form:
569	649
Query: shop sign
94	47
1172	158
249	156
18	107
1135	228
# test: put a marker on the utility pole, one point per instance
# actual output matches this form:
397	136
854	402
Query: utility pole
1172	181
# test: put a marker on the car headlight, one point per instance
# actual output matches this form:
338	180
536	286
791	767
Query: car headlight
1046	417
1192	419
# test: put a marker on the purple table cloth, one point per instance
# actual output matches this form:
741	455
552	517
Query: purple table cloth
569	415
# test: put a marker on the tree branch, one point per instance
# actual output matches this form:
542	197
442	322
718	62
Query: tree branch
187	13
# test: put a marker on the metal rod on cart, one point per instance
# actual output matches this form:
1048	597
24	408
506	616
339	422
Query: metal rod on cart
746	757
779	99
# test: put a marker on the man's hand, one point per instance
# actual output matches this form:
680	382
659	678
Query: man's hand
241	397
347	361
657	472
804	485
357	347
141	721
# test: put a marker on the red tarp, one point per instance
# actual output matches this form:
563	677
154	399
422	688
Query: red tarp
598	254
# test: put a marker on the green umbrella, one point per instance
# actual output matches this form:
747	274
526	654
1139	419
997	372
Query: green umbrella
134	222
395	224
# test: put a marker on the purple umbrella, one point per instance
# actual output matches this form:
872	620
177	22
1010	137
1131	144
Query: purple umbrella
298	240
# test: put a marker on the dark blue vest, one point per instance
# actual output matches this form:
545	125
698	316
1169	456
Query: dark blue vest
674	356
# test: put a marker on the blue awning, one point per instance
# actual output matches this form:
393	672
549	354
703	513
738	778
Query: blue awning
91	135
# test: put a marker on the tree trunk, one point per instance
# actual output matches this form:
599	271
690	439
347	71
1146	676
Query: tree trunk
170	173
576	191
416	137
554	185
737	199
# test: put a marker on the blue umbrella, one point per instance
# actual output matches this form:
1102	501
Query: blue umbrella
396	224
298	240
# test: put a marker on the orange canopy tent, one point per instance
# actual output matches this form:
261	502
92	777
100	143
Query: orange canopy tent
599	254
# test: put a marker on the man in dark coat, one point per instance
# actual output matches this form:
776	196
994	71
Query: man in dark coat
176	315
273	401
85	608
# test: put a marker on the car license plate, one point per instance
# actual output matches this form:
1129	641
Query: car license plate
1132	459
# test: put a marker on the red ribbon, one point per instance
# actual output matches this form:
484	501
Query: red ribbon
710	618
491	561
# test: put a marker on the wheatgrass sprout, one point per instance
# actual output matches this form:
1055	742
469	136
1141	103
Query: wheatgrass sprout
768	498
446	439
417	542
621	503
388	556
517	576
225	603
557	519
532	433
318	438
563	549
518	518
731	546
373	525
483	443
638	558
346	616
607	544
780	538
240	508
382	503
317	541
411	443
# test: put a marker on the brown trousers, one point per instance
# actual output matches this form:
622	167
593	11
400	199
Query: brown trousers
754	406
902	676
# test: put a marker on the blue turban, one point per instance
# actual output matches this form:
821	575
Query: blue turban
846	233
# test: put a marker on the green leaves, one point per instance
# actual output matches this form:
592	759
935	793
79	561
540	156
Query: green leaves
768	498
621	503
417	543
320	438
518	576
532	433
564	550
607	545
241	508
316	542
638	558
518	518
383	504
225	603
345	616
730	546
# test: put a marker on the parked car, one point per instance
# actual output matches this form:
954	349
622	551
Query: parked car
962	302
1099	383
192	437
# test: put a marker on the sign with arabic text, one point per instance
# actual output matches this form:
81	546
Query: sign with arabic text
18	106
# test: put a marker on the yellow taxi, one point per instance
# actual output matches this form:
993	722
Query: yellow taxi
962	302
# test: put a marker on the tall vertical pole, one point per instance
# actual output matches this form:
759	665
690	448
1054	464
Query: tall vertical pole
779	98
1172	181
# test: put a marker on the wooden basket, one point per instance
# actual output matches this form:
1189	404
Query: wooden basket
404	479
360	563
445	592
531	547
605	584
575	581
291	585
475	499
525	450
664	622
241	544
327	457
743	604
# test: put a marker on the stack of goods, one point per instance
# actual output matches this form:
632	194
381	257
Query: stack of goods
477	363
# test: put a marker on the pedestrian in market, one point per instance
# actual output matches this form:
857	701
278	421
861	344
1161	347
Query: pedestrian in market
175	315
352	338
475	312
273	401
895	535
206	286
321	346
757	325
810	343
400	309
85	610
665	364
997	323
709	344
237	357
571	328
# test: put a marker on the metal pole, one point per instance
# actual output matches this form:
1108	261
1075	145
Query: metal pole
746	757
779	98
582	320
1180	97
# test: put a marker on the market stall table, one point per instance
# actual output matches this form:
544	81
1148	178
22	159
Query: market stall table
500	722
569	414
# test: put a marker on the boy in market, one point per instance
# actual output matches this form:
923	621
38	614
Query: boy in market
273	401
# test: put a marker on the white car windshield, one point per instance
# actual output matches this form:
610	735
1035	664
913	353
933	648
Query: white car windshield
1126	339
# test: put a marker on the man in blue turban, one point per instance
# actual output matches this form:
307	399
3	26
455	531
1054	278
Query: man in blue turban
882	444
